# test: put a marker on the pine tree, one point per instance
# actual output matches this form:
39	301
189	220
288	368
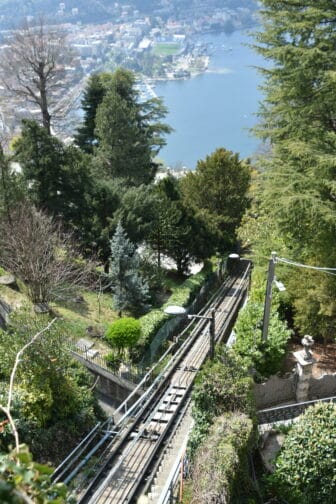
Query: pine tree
129	289
130	133
298	118
93	96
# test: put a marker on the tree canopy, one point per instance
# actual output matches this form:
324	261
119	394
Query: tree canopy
128	132
295	208
217	190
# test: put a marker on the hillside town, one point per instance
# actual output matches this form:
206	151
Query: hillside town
164	45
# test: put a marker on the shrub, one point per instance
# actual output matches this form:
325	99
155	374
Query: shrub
223	385
123	333
113	361
221	469
266	356
306	465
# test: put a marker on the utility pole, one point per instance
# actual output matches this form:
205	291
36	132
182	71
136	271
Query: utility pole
212	335
268	296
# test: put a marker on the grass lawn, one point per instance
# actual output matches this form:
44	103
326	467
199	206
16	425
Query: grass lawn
165	49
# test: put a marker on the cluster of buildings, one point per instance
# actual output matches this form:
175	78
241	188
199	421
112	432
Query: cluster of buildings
131	38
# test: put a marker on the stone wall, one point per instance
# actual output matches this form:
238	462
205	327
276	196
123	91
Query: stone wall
276	390
325	386
281	390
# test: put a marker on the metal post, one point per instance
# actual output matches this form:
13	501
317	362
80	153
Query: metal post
268	296
212	335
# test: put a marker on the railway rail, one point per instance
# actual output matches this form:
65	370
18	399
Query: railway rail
127	447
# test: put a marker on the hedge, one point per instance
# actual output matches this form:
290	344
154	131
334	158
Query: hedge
182	296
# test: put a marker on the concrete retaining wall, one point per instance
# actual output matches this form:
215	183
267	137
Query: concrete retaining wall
281	390
274	391
325	386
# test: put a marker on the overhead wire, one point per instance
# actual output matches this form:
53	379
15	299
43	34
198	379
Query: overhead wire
306	266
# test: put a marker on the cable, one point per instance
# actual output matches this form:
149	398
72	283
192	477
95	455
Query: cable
306	266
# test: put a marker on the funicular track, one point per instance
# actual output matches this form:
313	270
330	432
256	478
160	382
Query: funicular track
128	449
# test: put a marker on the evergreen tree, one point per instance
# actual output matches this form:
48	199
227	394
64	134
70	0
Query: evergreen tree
298	119
130	132
93	96
176	231
129	290
57	177
217	193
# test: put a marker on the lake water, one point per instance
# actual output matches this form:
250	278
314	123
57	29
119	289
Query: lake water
217	108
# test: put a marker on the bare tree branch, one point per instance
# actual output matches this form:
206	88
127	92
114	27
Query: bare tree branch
34	249
32	66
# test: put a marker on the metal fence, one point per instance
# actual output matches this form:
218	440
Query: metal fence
288	411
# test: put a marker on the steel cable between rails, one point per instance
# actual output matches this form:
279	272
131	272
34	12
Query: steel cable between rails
114	470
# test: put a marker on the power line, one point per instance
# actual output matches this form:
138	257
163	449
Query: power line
306	266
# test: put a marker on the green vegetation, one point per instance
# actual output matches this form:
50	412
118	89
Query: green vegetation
221	467
223	385
225	200
182	295
123	333
52	400
223	435
22	480
164	50
266	357
305	467
294	194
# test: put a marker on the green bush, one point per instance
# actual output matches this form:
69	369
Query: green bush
223	385
113	361
123	333
266	357
305	469
221	468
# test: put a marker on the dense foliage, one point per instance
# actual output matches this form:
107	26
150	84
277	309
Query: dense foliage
22	480
223	385
217	191
266	357
305	467
123	333
295	207
221	467
52	402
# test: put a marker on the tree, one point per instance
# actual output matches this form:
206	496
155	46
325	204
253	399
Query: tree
305	466
92	98
175	230
298	120
33	248
32	66
217	191
123	333
129	289
57	177
130	132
